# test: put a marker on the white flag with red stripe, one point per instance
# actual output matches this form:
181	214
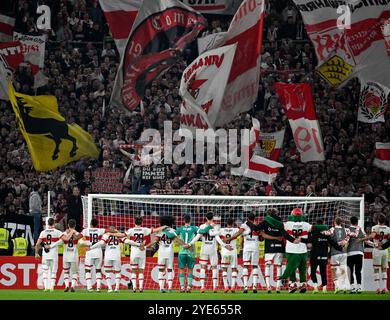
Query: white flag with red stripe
120	16
7	25
382	155
202	88
246	30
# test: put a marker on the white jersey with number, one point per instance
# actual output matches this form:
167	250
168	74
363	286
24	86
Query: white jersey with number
227	233
113	247
297	229
49	236
138	235
382	233
70	249
251	238
94	235
209	241
165	249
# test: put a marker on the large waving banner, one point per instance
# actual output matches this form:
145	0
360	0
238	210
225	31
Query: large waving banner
202	88
246	30
351	50
213	6
372	102
298	104
51	141
120	16
159	34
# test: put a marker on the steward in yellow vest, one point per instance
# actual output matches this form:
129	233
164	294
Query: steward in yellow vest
4	240
20	246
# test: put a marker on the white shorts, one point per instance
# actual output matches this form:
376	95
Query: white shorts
165	261
138	261
379	258
51	264
73	266
206	257
276	258
250	258
112	264
338	259
229	260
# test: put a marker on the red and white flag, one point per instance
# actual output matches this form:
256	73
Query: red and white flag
382	155
386	34
120	16
346	50
297	102
270	145
202	88
7	25
372	102
246	30
146	56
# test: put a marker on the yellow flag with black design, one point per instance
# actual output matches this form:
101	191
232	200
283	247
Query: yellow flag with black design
51	141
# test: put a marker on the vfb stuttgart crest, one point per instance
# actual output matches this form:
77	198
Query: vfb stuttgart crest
268	146
372	101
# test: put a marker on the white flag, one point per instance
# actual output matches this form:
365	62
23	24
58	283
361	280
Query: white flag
202	88
372	102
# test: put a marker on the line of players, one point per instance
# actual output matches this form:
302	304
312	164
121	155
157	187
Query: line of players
211	234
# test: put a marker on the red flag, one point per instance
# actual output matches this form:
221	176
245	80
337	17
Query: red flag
297	101
7	25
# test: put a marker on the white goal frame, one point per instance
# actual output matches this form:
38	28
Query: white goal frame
306	200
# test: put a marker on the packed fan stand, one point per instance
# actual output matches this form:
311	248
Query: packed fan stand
151	208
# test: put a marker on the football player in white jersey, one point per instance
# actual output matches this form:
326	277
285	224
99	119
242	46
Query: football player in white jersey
380	233
165	253
139	235
229	257
93	258
112	256
49	256
209	232
70	258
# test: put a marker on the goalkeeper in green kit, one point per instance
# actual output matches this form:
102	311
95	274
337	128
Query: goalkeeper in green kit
186	254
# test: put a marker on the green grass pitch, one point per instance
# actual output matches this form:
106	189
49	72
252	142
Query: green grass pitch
195	295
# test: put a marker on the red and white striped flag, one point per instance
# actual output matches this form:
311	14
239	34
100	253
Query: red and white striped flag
120	16
254	166
382	155
7	25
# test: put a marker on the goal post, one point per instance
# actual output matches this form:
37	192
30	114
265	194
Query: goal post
121	205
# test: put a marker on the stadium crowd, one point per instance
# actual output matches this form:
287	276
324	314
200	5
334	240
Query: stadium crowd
81	62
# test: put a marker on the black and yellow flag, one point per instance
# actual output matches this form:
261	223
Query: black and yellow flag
51	141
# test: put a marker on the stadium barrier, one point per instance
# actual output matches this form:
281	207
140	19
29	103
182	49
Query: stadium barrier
26	273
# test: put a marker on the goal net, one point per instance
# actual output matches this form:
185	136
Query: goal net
120	210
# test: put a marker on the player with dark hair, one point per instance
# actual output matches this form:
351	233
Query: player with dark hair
319	253
70	259
209	232
186	257
139	235
380	233
165	239
355	255
274	247
94	257
49	256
